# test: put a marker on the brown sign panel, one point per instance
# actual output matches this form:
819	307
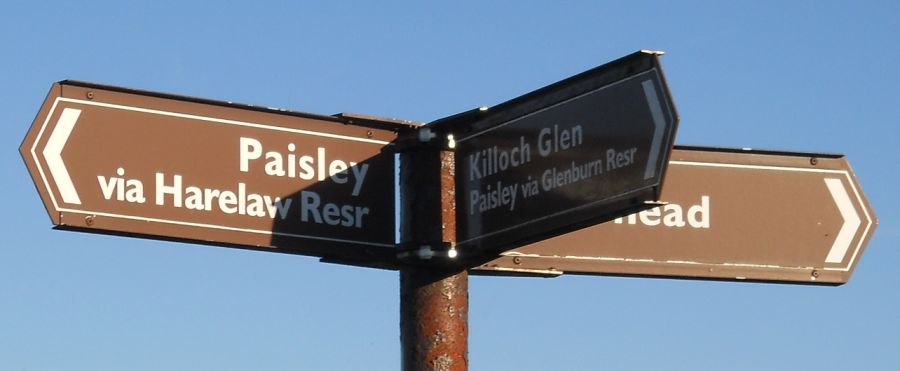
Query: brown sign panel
115	160
729	214
567	155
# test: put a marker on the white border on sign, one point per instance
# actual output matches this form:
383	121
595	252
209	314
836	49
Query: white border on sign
844	173
198	118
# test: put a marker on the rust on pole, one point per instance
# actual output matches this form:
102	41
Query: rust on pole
434	320
434	289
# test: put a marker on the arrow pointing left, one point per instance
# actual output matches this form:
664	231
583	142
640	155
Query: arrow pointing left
125	161
53	154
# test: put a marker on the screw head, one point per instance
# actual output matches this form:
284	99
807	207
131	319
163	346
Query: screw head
89	220
813	161
90	95
517	260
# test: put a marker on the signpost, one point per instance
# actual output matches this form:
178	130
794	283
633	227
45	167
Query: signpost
123	161
731	215
572	154
585	150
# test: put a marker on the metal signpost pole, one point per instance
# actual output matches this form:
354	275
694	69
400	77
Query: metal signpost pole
434	298
434	324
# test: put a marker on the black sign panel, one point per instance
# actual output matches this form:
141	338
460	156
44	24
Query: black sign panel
572	154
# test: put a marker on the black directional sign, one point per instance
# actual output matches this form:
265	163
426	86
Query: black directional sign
571	154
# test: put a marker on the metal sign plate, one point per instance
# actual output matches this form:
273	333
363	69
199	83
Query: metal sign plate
568	155
730	214
115	160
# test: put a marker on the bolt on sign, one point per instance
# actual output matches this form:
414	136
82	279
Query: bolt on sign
571	154
728	214
116	160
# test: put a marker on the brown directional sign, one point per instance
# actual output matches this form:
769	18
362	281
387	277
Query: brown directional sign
567	155
730	214
116	160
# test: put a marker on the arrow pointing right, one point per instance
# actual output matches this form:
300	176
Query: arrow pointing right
730	214
53	155
659	127
851	221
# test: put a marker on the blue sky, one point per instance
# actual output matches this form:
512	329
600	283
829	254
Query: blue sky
801	75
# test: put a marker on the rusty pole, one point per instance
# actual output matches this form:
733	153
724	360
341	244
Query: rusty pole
434	291
434	320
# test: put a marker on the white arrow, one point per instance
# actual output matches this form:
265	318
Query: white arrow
53	155
658	127
851	221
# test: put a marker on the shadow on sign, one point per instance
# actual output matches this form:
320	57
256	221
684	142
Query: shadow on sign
337	220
